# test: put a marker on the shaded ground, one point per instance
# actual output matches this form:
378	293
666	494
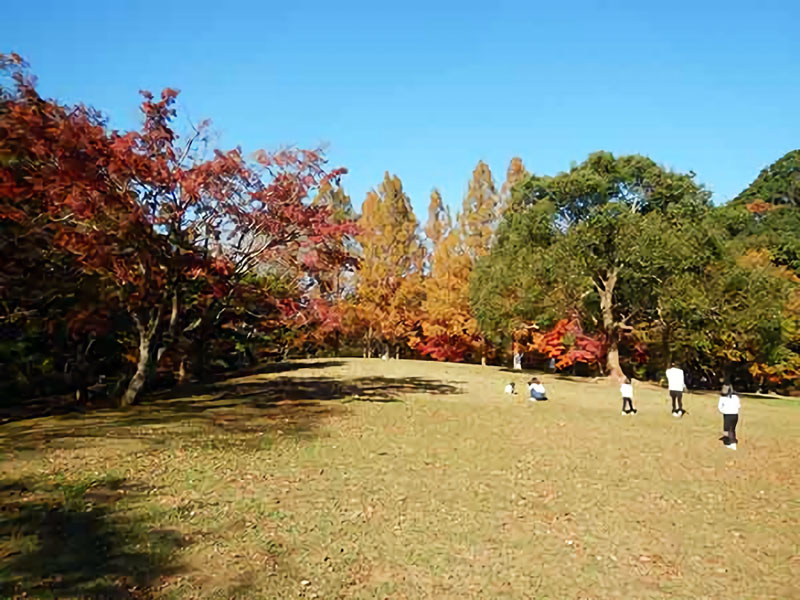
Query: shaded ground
401	479
65	539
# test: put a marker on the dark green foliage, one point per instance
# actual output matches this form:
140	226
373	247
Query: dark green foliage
779	183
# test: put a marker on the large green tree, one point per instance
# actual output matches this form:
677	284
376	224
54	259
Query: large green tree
594	245
779	183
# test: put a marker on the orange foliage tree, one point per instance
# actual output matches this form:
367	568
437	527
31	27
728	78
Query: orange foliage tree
389	280
449	332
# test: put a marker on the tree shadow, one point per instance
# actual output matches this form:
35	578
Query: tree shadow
73	539
65	540
12	409
292	405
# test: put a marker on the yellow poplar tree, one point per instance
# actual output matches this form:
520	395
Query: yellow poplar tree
480	212
448	329
389	279
478	220
515	173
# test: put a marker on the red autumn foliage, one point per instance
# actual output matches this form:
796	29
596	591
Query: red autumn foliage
444	347
175	231
565	342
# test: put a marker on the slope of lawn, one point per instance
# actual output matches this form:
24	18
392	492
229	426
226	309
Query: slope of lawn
352	478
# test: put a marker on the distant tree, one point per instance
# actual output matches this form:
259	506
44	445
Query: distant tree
516	173
449	332
779	183
480	212
389	279
478	222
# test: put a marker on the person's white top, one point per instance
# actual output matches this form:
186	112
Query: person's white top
537	387
509	389
729	405
675	379
626	389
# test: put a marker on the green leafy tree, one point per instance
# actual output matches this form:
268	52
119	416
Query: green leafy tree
779	183
601	258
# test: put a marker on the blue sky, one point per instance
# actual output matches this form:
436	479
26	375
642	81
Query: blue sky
426	89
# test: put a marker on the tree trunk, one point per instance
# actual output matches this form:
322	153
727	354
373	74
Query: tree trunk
397	353
483	359
171	330
182	371
666	344
613	368
606	291
137	381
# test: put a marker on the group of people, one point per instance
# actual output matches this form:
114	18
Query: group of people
728	405
536	391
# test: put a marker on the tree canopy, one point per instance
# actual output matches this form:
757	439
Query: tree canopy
148	257
779	183
638	257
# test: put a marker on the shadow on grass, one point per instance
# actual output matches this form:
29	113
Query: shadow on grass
13	409
293	405
64	540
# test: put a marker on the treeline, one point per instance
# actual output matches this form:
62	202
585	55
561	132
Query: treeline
617	265
147	258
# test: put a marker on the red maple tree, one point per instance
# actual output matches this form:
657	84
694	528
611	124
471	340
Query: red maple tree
165	221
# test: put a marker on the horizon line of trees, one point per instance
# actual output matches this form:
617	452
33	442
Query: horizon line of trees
142	258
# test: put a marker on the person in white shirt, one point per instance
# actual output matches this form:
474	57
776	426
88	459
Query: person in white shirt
511	388
626	389
537	390
676	386
729	405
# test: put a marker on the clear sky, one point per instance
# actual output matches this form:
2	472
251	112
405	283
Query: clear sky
426	89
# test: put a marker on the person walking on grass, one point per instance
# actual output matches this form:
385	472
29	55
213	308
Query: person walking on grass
676	386
729	405
626	389
537	390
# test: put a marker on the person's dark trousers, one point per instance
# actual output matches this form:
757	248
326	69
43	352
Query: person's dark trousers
729	426
677	401
627	406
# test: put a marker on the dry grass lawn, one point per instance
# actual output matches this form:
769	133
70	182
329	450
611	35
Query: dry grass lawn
360	478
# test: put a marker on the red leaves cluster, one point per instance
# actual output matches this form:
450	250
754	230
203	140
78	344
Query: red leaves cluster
565	341
444	347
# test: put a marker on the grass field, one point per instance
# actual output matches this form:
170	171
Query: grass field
360	478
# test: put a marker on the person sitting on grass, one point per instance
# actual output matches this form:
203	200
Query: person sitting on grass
511	388
537	390
626	389
729	405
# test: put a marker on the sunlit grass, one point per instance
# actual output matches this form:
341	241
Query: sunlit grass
408	480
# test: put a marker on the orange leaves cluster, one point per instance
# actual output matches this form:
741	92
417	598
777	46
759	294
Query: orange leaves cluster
759	207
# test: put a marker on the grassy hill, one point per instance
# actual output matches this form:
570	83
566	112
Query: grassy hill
359	478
